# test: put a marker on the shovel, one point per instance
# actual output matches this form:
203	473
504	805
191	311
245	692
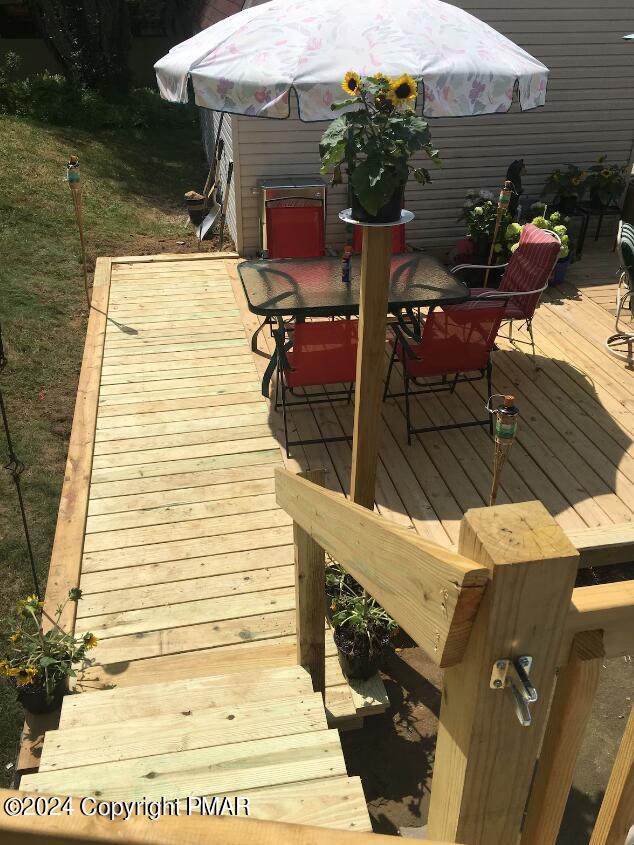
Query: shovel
211	196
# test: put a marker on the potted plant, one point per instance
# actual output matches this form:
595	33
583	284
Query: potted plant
39	664
479	214
565	188
375	140
605	183
362	630
557	223
338	583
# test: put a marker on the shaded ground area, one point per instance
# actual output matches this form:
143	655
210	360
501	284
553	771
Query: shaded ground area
394	752
133	183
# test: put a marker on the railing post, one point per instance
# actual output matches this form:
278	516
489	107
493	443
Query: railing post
310	598
484	757
569	713
616	815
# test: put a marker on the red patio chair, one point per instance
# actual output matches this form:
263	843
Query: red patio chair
456	341
293	231
315	353
525	278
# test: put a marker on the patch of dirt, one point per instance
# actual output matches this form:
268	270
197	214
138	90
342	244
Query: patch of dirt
186	242
394	752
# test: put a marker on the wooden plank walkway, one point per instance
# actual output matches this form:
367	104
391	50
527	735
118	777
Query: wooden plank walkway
170	526
186	554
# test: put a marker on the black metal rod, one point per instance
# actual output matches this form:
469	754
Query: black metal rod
15	468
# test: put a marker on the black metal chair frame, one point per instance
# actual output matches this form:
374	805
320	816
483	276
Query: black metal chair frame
282	345
444	384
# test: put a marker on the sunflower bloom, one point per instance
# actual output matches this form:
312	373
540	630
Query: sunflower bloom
605	173
351	83
24	677
16	636
90	640
402	89
575	180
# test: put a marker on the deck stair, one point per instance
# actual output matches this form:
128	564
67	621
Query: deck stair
261	735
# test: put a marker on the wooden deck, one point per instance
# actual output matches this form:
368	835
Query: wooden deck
169	522
574	447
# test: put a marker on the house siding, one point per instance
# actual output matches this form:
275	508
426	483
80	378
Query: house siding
589	111
228	132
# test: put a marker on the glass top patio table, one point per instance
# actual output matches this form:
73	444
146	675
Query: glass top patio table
304	287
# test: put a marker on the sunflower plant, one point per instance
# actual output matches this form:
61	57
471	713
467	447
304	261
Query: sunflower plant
568	184
605	182
36	659
376	138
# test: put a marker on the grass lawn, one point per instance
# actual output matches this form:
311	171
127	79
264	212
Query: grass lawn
133	182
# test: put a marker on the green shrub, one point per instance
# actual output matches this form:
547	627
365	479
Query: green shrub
52	99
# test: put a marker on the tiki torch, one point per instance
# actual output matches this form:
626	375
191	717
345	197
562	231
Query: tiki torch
74	183
506	418
503	205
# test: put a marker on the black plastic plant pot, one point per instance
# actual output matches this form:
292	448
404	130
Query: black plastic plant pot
34	699
196	211
389	213
357	657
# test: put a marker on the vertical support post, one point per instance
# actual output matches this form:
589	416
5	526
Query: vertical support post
569	713
310	599
484	756
616	815
375	282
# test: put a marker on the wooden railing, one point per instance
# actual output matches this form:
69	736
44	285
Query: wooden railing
507	592
79	829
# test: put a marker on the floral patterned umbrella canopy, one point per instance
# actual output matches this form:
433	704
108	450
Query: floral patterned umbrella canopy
250	62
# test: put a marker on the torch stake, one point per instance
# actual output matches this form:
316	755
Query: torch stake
506	418
74	183
503	204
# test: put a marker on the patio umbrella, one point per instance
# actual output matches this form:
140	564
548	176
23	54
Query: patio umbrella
249	64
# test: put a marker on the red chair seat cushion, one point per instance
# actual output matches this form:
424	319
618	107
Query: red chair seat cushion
323	353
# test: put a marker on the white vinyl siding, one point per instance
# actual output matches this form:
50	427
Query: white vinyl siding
229	154
589	111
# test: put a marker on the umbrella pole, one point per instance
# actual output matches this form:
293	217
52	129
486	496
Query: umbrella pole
503	204
376	258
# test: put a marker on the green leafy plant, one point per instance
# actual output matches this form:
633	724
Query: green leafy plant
554	222
480	220
605	182
565	184
377	139
362	615
37	659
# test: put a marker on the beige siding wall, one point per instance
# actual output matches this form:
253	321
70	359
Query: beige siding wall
589	111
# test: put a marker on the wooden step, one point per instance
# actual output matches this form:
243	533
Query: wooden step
336	802
216	771
189	729
167	699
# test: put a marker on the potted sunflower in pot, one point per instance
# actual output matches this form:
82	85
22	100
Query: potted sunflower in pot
37	664
375	140
605	183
